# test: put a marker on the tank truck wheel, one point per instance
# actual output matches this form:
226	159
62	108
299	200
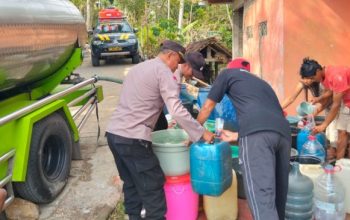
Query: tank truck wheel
49	160
95	60
135	59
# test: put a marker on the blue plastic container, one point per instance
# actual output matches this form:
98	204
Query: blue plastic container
185	96
210	168
224	109
302	138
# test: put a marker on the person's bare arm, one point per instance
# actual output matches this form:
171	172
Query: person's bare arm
205	111
326	95
290	99
323	101
228	136
337	98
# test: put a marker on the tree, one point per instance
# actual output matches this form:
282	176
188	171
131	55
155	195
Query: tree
88	15
181	13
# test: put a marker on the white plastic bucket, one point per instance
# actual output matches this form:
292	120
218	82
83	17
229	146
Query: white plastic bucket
171	149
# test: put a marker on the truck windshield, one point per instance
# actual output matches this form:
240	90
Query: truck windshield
104	28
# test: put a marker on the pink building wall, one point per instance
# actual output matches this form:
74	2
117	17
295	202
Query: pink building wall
295	29
318	29
266	53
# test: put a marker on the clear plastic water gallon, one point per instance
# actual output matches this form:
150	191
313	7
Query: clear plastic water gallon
312	149
300	195
303	137
329	196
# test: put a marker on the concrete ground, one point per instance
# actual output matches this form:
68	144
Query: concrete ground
94	187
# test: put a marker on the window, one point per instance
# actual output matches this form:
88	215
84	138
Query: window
249	32
263	29
121	27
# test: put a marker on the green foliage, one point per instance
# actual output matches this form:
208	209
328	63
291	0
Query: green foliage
134	9
164	29
81	5
226	35
167	29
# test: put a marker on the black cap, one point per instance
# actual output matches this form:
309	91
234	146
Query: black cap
197	62
174	46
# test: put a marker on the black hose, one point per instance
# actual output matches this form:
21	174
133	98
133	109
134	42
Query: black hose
109	79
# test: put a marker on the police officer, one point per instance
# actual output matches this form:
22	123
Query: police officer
146	88
193	66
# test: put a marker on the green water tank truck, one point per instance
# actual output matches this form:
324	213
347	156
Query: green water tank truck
40	46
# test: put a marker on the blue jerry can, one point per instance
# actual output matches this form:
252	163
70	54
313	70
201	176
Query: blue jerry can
210	167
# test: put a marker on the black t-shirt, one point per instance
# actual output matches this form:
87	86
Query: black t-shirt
256	103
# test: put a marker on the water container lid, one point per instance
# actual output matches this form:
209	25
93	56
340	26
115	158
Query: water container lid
312	138
178	179
330	169
235	151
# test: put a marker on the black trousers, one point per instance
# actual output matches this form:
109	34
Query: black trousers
264	160
162	123
143	178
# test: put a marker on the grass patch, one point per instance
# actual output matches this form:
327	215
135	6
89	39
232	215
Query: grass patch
118	213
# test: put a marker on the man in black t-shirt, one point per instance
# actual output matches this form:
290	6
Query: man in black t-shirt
264	138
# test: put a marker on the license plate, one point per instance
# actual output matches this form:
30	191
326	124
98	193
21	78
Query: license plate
115	49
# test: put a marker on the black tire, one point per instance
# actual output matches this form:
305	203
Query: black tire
95	60
135	59
49	160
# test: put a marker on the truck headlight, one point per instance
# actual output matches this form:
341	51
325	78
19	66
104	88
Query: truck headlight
132	41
